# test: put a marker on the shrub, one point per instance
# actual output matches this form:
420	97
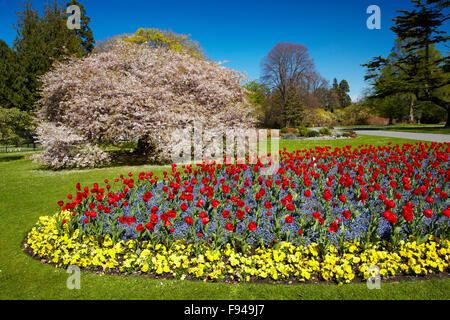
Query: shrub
319	117
292	130
325	131
312	133
302	131
377	121
355	114
346	134
289	136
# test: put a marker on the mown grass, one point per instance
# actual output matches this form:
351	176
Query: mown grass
400	125
28	192
416	128
422	130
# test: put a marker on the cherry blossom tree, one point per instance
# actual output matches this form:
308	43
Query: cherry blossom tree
136	91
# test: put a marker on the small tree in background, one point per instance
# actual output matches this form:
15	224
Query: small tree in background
344	98
258	94
156	38
13	122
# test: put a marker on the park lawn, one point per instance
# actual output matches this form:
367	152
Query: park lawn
423	130
400	125
417	128
361	140
28	192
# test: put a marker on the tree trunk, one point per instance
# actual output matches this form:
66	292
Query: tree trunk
447	124
411	111
443	104
145	146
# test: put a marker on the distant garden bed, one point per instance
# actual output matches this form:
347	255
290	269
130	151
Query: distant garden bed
324	133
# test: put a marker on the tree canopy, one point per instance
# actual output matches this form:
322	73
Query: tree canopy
415	67
139	92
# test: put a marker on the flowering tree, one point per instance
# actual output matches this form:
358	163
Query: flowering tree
136	91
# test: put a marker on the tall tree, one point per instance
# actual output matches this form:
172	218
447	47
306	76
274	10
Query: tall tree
41	41
292	113
60	41
343	90
420	72
13	92
284	68
84	33
31	49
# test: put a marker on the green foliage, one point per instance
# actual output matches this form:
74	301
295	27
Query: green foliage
302	131
312	133
167	39
356	114
257	95
84	33
415	66
42	40
13	125
256	92
325	131
342	93
346	134
13	90
292	112
428	112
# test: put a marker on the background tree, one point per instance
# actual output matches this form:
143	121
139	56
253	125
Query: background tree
43	40
292	113
156	38
343	90
84	33
420	70
13	123
13	91
284	70
31	50
257	95
40	41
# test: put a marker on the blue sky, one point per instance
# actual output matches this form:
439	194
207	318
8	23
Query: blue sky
243	31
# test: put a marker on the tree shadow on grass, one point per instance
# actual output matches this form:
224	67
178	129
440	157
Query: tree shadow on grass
130	158
11	158
119	158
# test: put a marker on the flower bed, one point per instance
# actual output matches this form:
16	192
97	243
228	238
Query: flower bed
323	215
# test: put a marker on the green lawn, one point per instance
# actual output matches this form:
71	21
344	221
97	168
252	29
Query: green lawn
424	130
400	125
418	128
27	192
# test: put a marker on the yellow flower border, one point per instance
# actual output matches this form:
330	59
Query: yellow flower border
286	262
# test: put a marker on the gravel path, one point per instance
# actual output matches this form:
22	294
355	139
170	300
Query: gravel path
407	135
